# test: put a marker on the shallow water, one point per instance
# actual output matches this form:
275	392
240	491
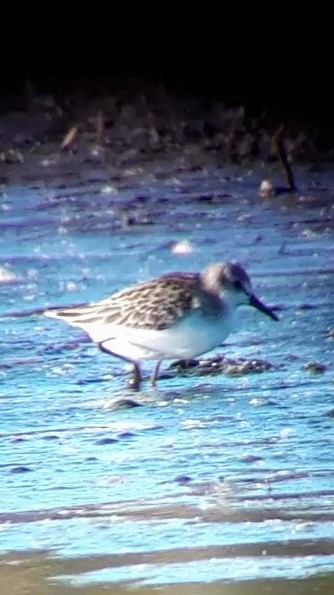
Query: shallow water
215	477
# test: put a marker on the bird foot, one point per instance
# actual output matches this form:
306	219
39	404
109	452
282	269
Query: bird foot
136	379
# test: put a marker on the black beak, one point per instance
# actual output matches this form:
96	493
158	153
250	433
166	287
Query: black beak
254	301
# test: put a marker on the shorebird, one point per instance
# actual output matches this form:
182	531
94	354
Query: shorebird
178	315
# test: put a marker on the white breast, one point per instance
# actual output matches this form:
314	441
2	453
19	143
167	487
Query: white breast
192	337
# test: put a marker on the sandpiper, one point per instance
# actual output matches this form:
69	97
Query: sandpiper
177	315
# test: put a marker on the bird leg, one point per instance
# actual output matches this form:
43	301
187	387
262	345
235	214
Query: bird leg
136	379
155	373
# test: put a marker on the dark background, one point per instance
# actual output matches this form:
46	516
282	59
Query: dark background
266	60
305	98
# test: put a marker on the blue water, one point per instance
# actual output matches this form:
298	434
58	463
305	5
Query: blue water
207	461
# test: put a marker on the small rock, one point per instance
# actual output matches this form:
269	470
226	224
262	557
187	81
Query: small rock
329	413
11	156
126	435
20	469
183	479
182	247
245	367
315	367
7	276
184	364
330	333
104	441
267	189
221	364
125	403
17	439
306	307
248	458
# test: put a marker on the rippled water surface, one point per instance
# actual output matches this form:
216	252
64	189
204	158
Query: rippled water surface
215	477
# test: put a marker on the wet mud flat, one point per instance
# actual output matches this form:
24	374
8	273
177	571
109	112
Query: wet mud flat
34	574
222	478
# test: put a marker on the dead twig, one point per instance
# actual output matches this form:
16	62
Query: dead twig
100	128
279	146
70	137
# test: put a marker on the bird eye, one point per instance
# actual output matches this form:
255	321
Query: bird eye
237	284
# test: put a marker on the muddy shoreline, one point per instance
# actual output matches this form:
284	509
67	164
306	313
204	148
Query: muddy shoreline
41	573
98	190
137	124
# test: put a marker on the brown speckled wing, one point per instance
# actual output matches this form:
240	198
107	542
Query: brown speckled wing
153	304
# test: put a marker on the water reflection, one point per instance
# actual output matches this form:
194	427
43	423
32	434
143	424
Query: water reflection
214	476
